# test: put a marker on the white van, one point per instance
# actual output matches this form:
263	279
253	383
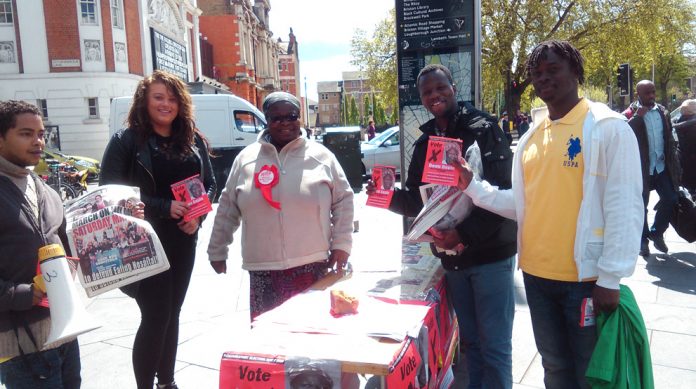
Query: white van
229	122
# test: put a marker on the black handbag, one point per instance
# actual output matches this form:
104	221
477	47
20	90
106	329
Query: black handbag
684	216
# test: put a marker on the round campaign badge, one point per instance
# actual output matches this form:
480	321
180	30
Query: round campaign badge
266	177
265	180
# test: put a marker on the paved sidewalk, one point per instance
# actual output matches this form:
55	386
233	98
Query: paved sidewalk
216	311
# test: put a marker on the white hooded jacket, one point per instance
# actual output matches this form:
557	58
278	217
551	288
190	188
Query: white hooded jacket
610	219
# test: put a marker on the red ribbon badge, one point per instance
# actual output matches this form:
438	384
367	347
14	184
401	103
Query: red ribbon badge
265	180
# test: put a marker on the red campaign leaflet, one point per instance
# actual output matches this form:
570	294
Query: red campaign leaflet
384	178
441	153
192	191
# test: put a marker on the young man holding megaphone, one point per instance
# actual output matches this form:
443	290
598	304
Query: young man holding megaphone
31	217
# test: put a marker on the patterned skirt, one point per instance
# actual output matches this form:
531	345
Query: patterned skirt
270	288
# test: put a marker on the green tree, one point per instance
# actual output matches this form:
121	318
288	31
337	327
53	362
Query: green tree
648	35
606	32
380	117
376	55
353	114
394	116
344	111
367	108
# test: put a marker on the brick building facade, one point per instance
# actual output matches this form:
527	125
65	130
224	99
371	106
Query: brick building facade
329	106
289	71
71	57
245	55
333	94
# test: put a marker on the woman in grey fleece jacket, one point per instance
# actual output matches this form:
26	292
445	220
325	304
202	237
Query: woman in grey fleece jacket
295	206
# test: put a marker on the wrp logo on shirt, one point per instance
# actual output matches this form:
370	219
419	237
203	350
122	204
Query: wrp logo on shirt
574	148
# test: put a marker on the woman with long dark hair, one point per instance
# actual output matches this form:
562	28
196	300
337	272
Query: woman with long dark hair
161	146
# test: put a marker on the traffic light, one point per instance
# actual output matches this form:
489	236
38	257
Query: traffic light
623	79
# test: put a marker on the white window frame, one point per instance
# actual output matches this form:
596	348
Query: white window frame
43	107
93	107
117	14
87	18
6	12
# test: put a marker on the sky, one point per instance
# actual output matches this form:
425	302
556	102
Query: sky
324	29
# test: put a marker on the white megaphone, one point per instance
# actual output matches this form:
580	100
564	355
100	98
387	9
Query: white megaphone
68	316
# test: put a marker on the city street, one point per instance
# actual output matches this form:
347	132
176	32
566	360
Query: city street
216	311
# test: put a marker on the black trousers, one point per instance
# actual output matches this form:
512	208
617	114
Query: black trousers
160	298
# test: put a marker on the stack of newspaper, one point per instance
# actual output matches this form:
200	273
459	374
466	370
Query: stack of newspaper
115	249
444	207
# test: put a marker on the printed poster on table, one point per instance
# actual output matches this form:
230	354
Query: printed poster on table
384	178
404	368
442	152
192	191
263	371
302	372
245	371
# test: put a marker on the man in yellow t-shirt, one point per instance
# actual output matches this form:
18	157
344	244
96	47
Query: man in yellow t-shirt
576	196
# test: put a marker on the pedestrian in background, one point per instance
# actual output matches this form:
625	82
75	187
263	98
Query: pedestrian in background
506	125
576	196
659	162
295	206
686	133
480	277
160	147
524	125
371	130
31	216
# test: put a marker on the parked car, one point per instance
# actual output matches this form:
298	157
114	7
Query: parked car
383	149
80	163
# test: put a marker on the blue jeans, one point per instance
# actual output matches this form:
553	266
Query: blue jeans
483	299
59	369
565	346
662	184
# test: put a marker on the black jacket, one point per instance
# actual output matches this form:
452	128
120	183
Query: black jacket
672	165
127	161
488	237
686	133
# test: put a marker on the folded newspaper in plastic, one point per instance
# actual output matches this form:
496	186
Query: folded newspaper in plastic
114	248
444	207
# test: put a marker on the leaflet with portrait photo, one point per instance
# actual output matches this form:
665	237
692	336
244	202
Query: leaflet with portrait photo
444	206
384	178
439	157
192	191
